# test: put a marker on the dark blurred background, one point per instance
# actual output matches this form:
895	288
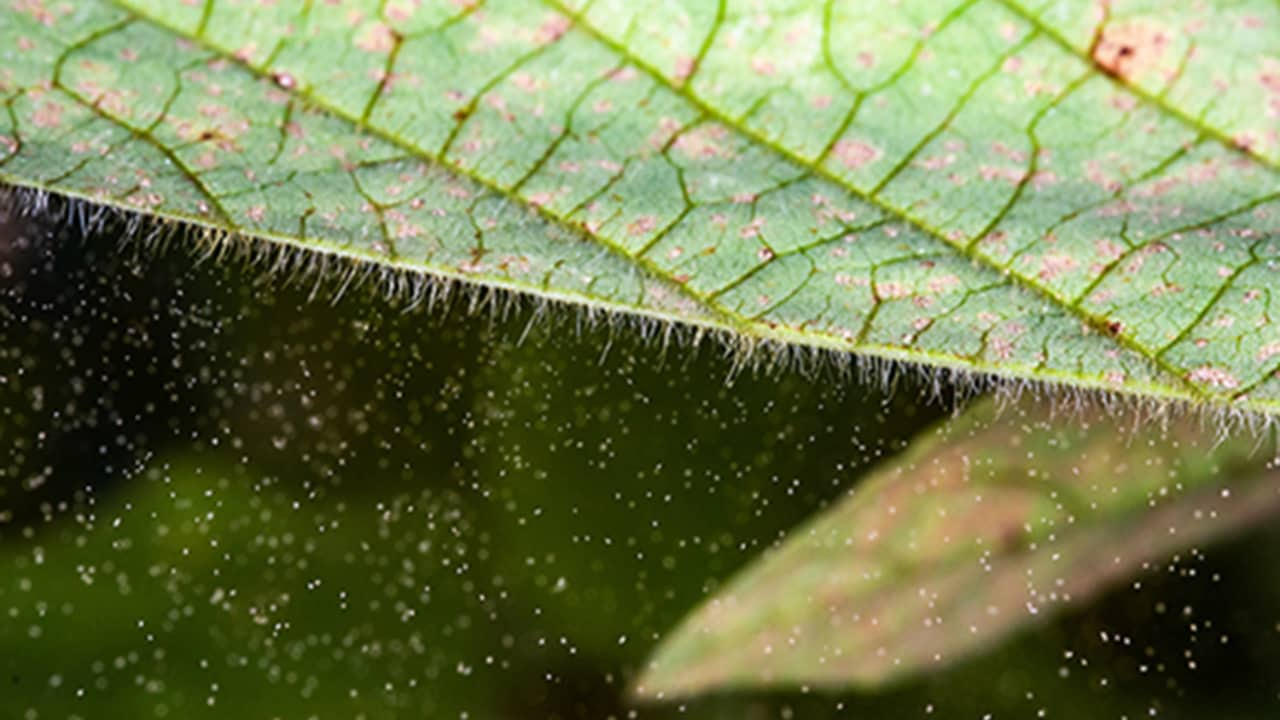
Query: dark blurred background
225	491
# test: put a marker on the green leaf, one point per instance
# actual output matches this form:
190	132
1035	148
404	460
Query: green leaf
1020	188
996	521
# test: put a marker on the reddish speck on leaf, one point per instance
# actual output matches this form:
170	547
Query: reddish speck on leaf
1244	141
37	10
1012	153
891	291
751	229
1269	76
622	75
1043	178
942	284
1011	174
937	162
995	242
540	199
704	141
552	29
399	11
1108	249
854	154
526	82
1098	175
1002	347
376	38
1123	102
761	66
667	127
284	80
48	115
642	225
246	53
1052	266
1214	377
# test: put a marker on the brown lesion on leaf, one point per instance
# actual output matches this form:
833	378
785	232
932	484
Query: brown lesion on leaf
1126	50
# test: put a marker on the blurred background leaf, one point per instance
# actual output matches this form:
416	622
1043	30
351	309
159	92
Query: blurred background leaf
994	520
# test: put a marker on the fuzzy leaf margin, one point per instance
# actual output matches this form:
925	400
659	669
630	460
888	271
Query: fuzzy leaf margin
1064	192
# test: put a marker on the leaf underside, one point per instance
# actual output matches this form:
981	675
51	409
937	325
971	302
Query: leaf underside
1060	191
996	521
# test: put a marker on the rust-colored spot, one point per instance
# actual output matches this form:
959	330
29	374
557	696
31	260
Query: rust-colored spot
1123	51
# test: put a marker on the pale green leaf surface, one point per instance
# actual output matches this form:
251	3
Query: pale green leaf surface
994	521
1037	190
